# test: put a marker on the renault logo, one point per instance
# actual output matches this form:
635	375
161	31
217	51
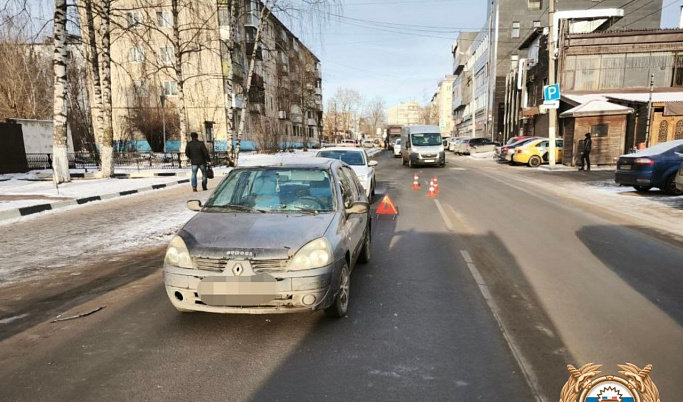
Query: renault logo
237	270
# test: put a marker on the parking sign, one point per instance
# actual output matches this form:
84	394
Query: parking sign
551	93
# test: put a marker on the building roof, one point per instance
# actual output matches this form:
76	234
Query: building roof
597	107
639	97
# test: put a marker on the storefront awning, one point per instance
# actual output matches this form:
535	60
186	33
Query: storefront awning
597	108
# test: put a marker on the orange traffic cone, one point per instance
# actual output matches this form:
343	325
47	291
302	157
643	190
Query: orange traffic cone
436	185
431	193
416	182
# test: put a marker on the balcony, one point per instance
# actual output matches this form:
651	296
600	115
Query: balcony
250	50
257	82
283	115
256	108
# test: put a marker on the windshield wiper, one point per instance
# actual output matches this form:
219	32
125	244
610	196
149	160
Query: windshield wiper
307	211
244	208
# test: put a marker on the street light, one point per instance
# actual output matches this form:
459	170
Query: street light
162	98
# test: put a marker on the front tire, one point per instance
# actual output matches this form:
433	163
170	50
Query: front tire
340	306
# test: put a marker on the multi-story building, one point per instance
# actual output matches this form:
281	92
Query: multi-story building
511	21
405	114
461	51
213	53
445	91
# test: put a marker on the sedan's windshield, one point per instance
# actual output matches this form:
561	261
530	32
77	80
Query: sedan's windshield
274	190
426	139
352	158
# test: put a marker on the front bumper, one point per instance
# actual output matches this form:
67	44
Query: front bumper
181	287
422	159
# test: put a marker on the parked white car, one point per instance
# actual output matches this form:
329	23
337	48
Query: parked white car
358	160
397	148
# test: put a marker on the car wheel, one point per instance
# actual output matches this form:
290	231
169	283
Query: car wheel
373	185
364	256
340	306
670	187
535	161
642	189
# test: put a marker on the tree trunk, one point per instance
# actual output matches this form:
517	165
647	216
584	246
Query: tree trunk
60	162
178	68
252	64
94	74
229	109
107	145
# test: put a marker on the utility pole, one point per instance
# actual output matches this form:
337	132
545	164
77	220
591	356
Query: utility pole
649	111
552	113
162	98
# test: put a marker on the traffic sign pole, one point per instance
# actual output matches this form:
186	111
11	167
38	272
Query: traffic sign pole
552	113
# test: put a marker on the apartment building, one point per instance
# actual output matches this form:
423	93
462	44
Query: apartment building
214	50
405	114
445	91
511	21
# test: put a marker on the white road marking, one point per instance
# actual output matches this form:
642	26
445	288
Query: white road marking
12	319
529	375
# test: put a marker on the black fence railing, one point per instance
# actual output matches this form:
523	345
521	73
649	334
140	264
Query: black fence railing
122	160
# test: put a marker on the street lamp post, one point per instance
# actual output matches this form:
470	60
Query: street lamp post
162	98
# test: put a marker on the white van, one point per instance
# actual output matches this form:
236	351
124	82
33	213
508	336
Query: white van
422	145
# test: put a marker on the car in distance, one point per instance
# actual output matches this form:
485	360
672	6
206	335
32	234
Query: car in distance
512	140
480	145
656	166
397	148
368	144
359	162
507	151
422	145
272	239
535	153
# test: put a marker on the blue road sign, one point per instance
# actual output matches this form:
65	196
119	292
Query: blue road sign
551	93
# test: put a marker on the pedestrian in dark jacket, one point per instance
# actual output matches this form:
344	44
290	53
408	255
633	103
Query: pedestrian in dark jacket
198	155
586	153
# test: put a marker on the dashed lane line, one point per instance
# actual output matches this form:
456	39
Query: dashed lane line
529	375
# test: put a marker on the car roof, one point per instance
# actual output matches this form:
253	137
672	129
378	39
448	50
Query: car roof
342	149
290	162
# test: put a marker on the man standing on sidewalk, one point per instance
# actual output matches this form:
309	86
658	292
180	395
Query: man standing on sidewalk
198	155
586	153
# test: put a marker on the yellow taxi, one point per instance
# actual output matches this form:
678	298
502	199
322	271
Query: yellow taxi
535	152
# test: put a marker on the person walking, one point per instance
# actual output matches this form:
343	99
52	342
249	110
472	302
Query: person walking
586	153
198	155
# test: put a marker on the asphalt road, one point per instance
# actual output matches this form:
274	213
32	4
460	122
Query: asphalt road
485	293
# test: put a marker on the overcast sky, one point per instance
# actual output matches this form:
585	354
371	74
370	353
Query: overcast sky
408	62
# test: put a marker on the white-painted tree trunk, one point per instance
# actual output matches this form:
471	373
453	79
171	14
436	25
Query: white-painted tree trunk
96	108
178	67
106	150
265	12
60	162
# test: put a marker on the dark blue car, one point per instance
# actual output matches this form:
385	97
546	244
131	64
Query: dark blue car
652	167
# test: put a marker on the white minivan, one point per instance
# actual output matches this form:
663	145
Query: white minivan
422	145
397	148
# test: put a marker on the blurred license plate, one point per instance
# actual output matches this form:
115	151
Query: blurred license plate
625	167
429	160
237	291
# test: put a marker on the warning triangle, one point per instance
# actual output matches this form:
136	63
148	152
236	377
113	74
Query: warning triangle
386	207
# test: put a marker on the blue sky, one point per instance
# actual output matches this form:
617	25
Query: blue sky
409	62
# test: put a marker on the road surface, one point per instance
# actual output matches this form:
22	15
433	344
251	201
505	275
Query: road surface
484	293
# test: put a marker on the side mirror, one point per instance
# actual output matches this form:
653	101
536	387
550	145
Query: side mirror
358	207
194	205
373	163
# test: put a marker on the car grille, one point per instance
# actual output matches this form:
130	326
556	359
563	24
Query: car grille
428	155
259	266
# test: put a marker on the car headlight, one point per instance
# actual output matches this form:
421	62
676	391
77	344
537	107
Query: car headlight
177	254
315	254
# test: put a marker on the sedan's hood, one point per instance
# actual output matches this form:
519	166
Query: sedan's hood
258	235
362	171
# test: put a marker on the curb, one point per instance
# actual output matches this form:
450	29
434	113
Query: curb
34	209
136	175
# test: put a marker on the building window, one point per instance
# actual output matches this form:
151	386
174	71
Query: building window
137	54
166	55
534	4
679	130
678	71
663	131
537	24
140	88
297	131
134	19
170	88
514	62
515	30
600	130
164	19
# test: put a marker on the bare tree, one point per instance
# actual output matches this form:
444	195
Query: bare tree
375	115
93	71
107	144
429	115
60	162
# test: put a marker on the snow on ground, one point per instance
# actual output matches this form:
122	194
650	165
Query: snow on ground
483	155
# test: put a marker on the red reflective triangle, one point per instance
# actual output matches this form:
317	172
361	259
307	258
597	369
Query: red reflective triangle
386	207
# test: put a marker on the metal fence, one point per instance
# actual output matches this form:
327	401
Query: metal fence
122	160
